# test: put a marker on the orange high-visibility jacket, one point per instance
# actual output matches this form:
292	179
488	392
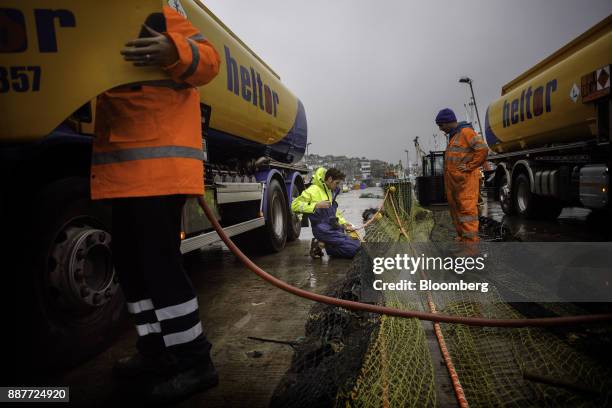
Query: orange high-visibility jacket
466	148
148	135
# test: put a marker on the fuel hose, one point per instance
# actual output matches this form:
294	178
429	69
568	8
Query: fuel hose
365	307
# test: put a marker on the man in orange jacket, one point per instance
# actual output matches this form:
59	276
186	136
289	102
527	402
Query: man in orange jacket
465	153
147	158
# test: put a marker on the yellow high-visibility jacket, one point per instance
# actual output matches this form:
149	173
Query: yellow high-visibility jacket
318	191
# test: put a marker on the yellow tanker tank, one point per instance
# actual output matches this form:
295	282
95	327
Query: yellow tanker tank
60	54
548	103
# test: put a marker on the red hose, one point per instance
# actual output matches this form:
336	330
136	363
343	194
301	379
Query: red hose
364	307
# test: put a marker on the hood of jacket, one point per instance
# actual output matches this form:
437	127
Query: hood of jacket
460	125
319	180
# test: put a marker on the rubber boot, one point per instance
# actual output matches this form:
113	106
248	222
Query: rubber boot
136	365
183	384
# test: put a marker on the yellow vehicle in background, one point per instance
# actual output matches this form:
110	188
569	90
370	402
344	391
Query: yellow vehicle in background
550	130
56	57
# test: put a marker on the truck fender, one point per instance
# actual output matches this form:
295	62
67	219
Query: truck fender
294	180
265	177
501	169
524	165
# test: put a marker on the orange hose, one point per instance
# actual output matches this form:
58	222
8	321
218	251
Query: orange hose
461	400
364	307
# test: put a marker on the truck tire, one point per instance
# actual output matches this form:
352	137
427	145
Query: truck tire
73	304
273	235
549	208
506	200
294	227
531	205
524	201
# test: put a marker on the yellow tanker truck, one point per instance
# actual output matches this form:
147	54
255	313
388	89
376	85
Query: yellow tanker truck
56	56
550	130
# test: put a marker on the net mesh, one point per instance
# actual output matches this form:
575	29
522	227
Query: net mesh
364	360
397	370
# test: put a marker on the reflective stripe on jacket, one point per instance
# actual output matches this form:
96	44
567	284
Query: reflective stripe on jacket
148	135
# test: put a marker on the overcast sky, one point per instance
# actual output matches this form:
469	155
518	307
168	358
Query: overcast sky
373	74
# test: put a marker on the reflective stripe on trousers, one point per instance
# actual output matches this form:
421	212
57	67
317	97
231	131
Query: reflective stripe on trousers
153	325
462	204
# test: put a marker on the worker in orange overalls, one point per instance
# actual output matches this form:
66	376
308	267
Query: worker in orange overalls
465	153
147	158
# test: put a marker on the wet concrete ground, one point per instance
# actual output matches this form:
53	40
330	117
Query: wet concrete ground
234	304
574	224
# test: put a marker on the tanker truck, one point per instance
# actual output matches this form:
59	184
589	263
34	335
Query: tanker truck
56	57
549	132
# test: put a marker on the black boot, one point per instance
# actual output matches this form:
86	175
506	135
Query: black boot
139	365
183	384
132	366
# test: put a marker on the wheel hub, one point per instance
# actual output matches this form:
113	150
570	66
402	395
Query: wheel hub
296	219
505	192
522	197
81	268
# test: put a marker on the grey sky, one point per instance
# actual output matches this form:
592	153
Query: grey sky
372	75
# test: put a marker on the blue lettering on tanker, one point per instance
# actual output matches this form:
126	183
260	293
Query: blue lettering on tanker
245	79
45	25
531	104
538	105
13	32
246	82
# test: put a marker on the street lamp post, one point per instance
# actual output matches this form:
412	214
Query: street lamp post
407	163
467	80
307	144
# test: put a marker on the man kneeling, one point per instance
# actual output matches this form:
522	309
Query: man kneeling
319	202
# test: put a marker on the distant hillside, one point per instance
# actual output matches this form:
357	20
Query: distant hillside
355	168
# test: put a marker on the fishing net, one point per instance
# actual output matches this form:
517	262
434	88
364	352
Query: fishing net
327	361
365	360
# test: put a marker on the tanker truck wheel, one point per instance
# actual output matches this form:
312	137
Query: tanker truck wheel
73	302
531	205
273	236
295	221
505	196
524	201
